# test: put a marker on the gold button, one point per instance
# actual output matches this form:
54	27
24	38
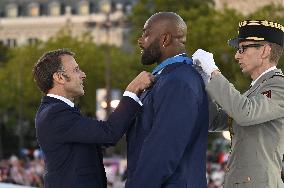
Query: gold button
248	179
227	169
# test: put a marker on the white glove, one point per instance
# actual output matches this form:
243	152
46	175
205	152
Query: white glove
205	60
204	76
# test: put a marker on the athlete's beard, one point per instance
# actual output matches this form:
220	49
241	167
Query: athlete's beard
152	54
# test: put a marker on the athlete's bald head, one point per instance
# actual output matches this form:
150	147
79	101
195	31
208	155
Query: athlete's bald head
164	35
169	22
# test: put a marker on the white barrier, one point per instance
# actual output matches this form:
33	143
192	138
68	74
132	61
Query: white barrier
8	185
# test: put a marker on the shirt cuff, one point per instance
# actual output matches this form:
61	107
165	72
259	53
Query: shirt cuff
132	96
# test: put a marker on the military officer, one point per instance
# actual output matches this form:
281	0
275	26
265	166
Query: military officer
255	118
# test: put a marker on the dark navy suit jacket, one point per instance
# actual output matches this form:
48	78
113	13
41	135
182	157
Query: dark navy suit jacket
167	145
71	142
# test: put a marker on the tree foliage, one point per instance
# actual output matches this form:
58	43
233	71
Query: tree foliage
20	96
207	28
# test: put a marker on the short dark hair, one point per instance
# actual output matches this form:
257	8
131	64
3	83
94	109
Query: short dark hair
46	66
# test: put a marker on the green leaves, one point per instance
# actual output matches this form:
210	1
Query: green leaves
207	28
20	96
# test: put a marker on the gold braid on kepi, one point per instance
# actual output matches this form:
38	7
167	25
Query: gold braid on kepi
259	30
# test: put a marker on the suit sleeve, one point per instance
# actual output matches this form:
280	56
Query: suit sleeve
253	110
175	116
71	126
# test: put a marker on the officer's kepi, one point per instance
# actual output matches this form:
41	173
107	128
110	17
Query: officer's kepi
259	30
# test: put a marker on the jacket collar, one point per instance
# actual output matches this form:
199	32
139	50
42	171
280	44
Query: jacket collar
268	70
170	68
164	72
262	79
47	99
67	101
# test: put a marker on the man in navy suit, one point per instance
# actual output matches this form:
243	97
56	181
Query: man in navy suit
167	145
71	142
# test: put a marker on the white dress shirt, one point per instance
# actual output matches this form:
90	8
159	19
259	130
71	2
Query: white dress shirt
67	101
133	96
70	103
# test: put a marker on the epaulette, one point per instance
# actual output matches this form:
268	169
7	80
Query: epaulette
278	74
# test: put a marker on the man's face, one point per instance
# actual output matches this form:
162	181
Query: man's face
149	43
74	77
249	57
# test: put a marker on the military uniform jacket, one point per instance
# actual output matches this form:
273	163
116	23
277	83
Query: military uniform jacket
258	127
71	143
166	148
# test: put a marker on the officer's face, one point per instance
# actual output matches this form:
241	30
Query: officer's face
149	44
249	57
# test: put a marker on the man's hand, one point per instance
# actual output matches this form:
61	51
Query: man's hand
205	60
141	82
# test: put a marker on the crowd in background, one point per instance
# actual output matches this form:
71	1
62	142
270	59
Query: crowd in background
22	171
28	170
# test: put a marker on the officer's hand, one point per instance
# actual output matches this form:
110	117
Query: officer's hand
205	60
204	76
141	82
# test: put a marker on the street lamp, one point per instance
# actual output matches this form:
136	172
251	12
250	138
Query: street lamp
101	103
106	8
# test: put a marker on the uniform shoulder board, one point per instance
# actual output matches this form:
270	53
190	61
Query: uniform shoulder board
278	74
